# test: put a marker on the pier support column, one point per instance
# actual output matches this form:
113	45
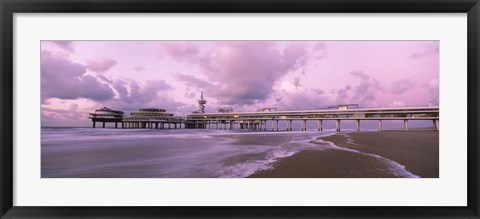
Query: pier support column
276	125
320	125
405	125
156	125
304	125
338	125
358	125
103	124
273	125
437	122
168	125
291	125
94	124
286	122
380	128
116	125
175	125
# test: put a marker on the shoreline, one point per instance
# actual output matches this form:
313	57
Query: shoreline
417	151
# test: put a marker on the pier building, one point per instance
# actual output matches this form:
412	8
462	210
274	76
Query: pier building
258	120
225	110
105	115
151	118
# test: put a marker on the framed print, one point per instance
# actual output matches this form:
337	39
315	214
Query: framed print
201	109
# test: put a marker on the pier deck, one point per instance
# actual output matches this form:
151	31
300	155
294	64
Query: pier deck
258	120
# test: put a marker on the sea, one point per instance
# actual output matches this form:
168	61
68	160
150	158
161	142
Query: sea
176	153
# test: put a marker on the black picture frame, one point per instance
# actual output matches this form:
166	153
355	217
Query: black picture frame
9	7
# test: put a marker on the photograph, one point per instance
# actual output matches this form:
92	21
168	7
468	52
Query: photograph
239	108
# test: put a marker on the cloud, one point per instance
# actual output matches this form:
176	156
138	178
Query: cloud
65	45
180	51
133	95
190	95
296	82
401	86
139	68
320	46
302	100
320	50
245	71
55	117
133	92
433	90
398	103
193	81
366	90
430	50
318	91
105	79
342	93
64	79
101	64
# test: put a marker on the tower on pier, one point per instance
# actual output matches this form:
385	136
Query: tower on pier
201	104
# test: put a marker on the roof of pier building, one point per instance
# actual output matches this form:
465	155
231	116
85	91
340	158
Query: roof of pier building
106	114
344	106
152	114
152	110
108	110
267	109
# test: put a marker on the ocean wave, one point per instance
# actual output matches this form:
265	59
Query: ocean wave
393	167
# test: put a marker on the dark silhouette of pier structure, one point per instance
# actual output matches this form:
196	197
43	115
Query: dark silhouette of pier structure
258	120
154	118
105	115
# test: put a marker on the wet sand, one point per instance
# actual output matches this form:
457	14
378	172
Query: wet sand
416	150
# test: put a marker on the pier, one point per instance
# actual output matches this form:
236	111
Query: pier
153	118
258	120
225	118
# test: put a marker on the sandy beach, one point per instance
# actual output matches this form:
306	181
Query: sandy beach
417	151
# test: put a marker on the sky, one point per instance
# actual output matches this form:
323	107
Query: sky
78	77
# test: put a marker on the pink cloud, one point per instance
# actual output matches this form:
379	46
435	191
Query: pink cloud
65	45
64	79
101	64
245	70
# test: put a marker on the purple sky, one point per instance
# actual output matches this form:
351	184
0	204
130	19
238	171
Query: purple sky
78	77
